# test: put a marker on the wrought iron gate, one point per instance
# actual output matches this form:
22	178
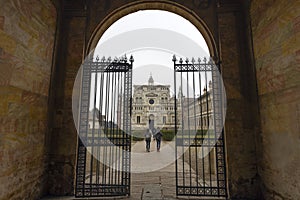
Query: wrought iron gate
199	107
103	158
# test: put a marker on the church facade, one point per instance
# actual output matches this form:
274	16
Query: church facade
152	106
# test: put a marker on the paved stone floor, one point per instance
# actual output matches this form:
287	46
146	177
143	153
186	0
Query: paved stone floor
149	170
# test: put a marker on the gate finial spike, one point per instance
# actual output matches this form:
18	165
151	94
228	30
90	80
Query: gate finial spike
97	58
180	60
193	60
125	58
174	58
204	60
199	60
131	59
103	59
109	59
187	60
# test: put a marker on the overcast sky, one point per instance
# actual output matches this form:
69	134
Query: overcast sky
153	37
154	19
135	34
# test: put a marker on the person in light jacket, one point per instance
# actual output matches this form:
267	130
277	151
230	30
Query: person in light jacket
148	139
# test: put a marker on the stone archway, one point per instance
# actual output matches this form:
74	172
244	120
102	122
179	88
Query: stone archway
165	5
225	27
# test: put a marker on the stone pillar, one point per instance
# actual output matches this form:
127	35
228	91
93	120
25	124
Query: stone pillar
242	113
69	56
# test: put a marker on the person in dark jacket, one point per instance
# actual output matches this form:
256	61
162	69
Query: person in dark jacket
158	137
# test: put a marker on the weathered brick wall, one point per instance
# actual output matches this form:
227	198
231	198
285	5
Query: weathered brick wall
276	40
238	75
26	41
240	125
63	134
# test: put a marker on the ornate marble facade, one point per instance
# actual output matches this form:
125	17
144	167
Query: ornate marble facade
152	106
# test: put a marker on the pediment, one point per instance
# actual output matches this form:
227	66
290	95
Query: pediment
151	95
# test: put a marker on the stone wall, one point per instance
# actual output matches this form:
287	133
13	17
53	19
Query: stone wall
226	21
242	113
27	31
276	40
62	154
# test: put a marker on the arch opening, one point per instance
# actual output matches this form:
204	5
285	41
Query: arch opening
153	48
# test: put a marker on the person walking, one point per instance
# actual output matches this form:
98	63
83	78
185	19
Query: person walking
153	131
158	137
148	139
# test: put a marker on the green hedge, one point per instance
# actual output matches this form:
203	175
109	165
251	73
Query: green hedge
137	135
167	135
